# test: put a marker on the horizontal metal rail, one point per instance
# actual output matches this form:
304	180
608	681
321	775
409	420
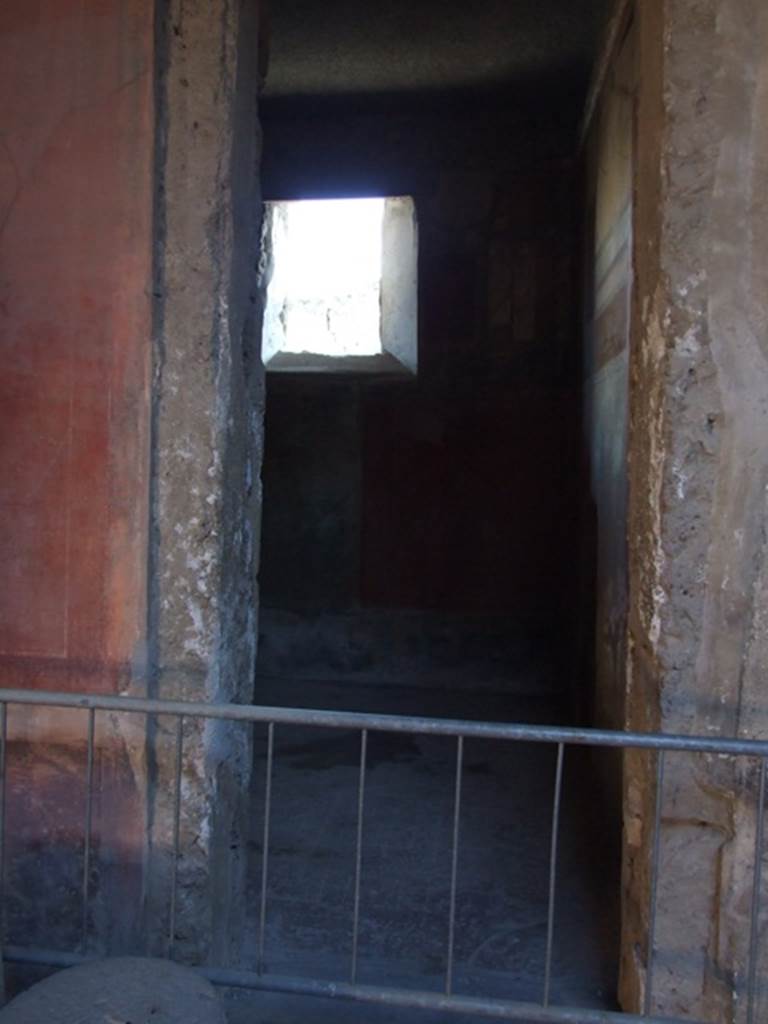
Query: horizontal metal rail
392	723
447	1001
493	1009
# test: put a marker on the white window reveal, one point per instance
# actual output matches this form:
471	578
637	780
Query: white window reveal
341	292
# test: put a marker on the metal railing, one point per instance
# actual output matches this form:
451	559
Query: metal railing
448	1001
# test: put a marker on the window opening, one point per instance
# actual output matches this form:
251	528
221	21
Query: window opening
341	293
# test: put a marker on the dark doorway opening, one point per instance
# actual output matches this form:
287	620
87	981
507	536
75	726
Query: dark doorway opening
424	541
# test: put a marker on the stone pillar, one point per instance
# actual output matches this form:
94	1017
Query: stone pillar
698	515
206	458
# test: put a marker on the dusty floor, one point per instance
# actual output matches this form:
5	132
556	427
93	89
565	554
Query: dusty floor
502	870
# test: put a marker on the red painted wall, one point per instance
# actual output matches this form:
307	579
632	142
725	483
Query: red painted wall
468	502
76	194
76	149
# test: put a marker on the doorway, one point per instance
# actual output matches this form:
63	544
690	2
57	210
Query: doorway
423	539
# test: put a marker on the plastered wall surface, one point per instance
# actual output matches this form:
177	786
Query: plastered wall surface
608	267
76	166
129	453
76	200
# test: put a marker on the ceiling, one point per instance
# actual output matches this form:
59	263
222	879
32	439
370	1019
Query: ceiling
407	48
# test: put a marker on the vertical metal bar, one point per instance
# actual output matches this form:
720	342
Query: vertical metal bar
265	844
176	832
660	761
87	828
757	879
358	852
454	865
3	751
553	872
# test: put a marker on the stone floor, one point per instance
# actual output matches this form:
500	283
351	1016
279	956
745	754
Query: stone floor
406	859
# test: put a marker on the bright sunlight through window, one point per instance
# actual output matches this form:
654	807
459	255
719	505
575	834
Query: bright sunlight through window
328	285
